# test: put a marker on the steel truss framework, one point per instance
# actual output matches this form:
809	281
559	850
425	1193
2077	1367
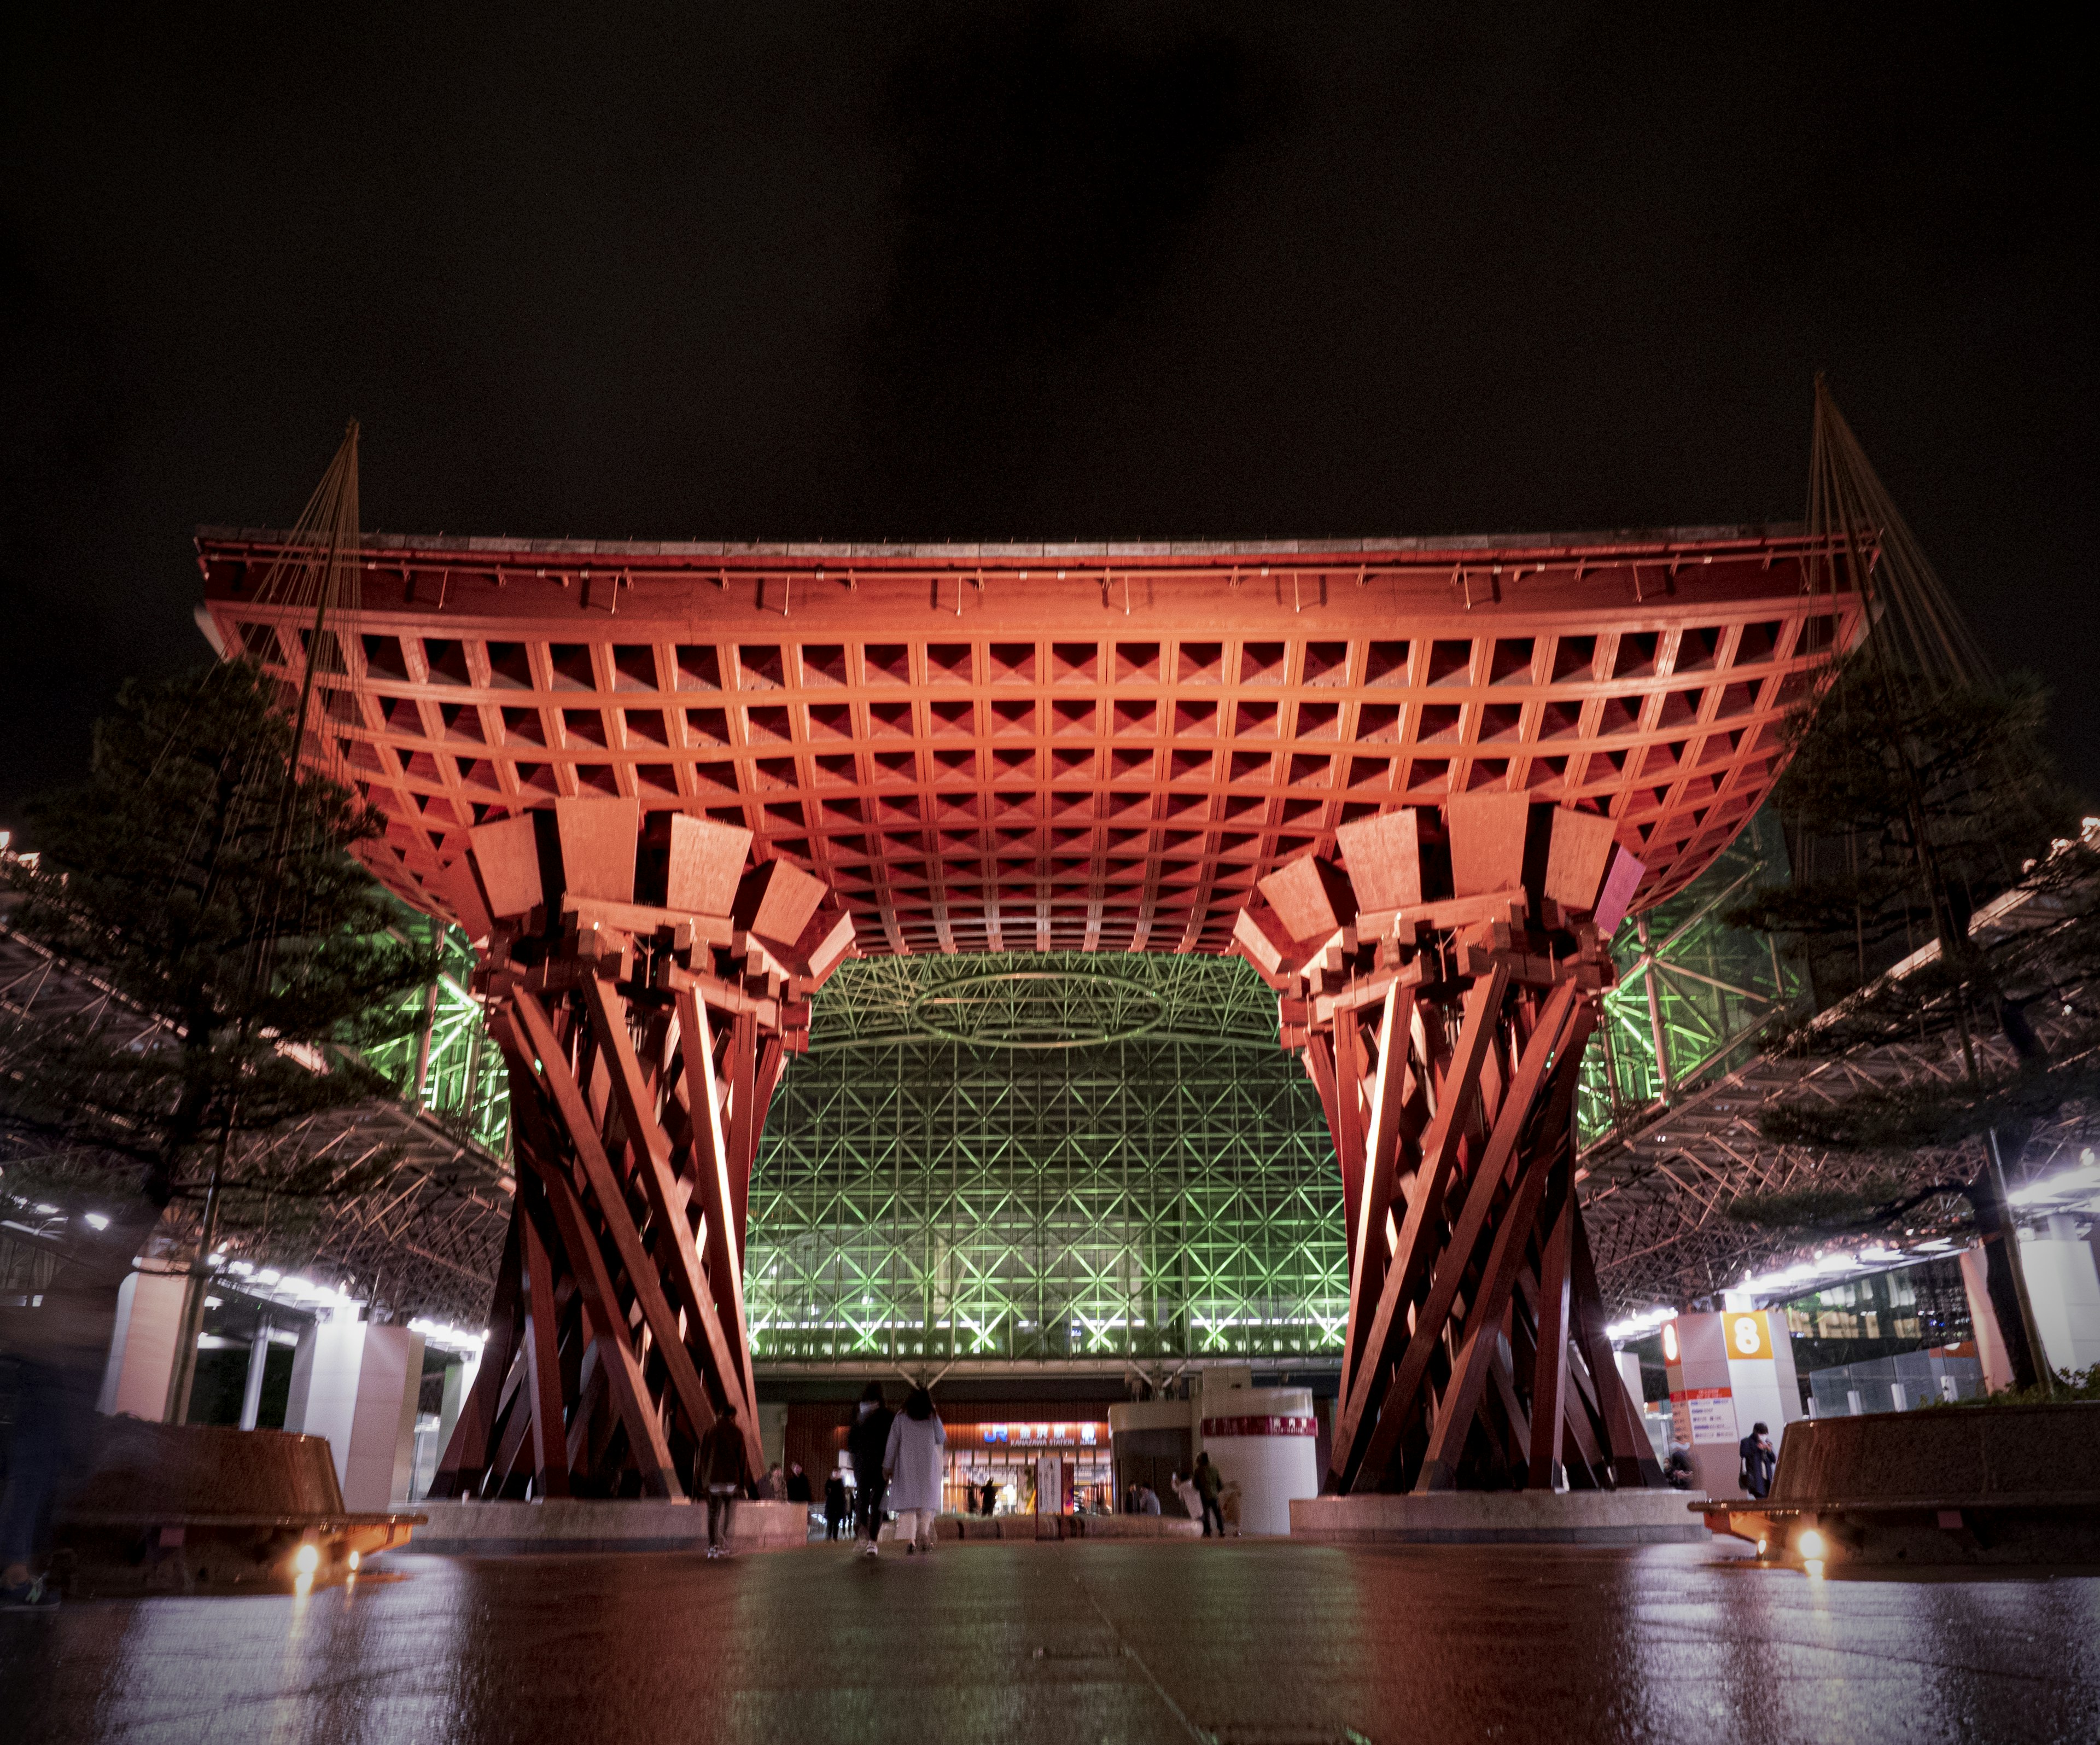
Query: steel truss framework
426	1243
1694	993
1657	1194
1170	1195
446	1064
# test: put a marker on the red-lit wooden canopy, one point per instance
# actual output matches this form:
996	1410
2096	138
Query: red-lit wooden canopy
1082	747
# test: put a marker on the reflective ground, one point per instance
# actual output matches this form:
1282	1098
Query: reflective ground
1266	1643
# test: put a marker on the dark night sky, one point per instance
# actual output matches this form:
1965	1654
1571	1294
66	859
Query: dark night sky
973	272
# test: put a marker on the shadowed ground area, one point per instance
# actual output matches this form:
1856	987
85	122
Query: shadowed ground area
1265	1643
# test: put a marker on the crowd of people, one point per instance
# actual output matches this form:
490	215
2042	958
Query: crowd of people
897	1460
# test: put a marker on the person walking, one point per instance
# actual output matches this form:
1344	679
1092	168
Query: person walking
991	1496
867	1441
1758	1461
834	1504
58	1348
798	1484
719	1471
1208	1488
913	1465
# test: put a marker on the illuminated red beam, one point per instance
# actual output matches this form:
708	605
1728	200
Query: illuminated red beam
1057	746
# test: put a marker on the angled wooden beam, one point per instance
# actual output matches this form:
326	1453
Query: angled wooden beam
543	1365
1402	1401
541	1150
1393	1079
640	1268
1412	1259
1482	1337
1549	1378
711	1175
1633	1457
743	1119
652	1149
1320	1068
467	1453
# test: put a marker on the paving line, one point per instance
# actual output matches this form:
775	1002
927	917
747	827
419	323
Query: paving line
1194	1732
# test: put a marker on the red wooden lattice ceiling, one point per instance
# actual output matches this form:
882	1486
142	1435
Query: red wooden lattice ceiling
1055	748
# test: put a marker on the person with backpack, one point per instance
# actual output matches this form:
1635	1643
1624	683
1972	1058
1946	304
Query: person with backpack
867	1441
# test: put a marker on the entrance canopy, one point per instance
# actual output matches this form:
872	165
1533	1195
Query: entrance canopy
1051	748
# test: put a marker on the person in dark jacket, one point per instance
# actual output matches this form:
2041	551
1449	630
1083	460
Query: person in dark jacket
1678	1469
1758	1461
798	1484
868	1440
991	1494
1209	1487
719	1471
58	1347
834	1504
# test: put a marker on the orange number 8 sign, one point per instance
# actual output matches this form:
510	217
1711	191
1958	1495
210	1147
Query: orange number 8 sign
1749	1336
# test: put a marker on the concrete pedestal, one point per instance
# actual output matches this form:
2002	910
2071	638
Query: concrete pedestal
356	1384
509	1530
1503	1517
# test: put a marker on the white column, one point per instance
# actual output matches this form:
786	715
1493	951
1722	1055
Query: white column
251	1391
2064	1287
142	1348
360	1389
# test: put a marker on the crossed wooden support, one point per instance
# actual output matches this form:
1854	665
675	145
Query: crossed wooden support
1441	983
644	991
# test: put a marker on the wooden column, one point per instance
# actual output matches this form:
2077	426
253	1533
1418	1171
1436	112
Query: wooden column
1471	1352
618	1338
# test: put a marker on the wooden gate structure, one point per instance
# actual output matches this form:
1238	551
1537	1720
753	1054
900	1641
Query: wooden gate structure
665	787
1441	982
644	1032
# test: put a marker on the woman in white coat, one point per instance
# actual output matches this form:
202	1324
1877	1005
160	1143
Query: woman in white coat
914	1465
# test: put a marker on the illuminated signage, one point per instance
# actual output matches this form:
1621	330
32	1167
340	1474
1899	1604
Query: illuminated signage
1749	1336
1032	1435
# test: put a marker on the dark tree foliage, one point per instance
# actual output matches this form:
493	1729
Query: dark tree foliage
1912	808
205	885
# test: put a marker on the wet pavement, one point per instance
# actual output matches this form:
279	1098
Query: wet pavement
1260	1643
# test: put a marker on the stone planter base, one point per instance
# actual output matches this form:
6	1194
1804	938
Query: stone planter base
511	1530
204	1508
1980	1485
978	1528
1501	1517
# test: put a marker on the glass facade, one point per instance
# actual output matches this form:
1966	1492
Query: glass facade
1051	1194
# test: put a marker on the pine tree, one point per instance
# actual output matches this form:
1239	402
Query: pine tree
1911	810
208	882
1919	791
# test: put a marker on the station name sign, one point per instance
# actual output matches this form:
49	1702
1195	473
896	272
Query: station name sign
1030	1435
